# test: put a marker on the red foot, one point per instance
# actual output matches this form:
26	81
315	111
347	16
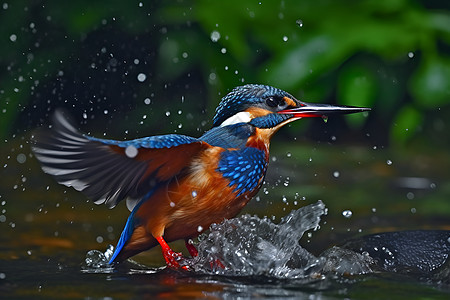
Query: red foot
171	257
191	248
217	263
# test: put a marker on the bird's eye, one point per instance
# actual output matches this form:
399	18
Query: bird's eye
272	101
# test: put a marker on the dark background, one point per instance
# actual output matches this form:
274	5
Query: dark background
86	56
127	69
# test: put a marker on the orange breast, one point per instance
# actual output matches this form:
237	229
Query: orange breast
189	204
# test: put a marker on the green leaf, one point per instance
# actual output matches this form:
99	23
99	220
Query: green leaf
407	122
306	60
430	85
357	86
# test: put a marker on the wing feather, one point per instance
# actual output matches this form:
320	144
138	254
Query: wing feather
101	168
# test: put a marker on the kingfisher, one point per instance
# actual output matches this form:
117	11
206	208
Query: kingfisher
175	185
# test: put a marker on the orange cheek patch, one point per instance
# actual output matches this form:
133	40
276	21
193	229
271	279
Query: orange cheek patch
289	102
258	112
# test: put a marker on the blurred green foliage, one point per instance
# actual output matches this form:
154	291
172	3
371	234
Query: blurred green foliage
391	55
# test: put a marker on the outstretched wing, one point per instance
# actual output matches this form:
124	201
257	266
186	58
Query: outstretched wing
108	171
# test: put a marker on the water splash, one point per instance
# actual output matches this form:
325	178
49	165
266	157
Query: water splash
97	261
248	245
253	246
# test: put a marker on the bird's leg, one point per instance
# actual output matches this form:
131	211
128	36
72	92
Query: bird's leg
191	248
171	257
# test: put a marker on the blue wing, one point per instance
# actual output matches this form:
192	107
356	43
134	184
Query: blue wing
108	171
154	142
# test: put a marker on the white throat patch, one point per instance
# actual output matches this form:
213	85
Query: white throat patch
240	117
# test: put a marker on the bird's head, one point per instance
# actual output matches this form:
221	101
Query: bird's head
267	107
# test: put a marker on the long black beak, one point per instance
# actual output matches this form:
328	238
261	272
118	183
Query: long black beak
307	110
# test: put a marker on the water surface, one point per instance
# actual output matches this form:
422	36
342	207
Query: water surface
47	231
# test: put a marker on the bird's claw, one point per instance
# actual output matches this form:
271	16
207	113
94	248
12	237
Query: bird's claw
172	259
216	264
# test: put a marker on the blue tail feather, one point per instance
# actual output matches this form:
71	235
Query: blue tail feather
126	233
129	226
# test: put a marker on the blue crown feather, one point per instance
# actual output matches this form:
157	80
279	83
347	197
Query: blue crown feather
243	97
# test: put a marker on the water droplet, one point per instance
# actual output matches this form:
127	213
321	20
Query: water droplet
13	37
299	23
141	77
410	195
215	36
131	151
389	162
413	210
410	54
336	174
285	38
347	213
172	204
109	252
97	259
194	194
199	228
147	101
99	239
21	158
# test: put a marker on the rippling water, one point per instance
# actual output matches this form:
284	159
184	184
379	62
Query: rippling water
46	231
248	251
